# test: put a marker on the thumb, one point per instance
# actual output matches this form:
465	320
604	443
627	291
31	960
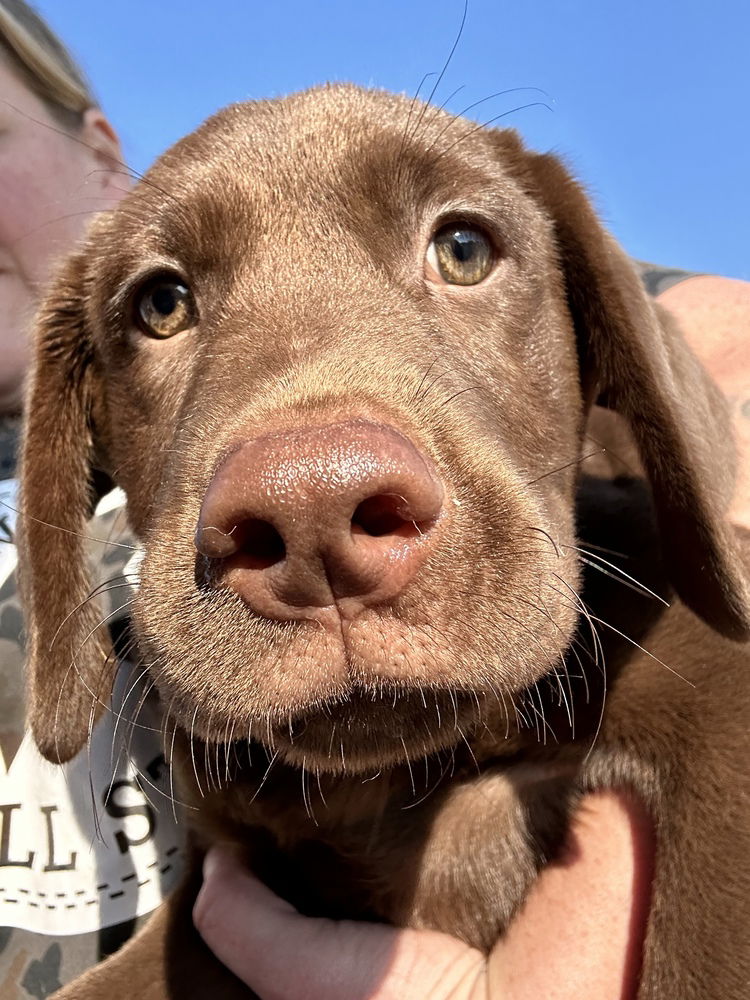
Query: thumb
283	955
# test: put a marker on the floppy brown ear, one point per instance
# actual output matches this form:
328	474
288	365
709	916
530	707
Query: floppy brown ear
633	354
68	654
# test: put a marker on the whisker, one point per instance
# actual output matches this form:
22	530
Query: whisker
581	606
462	734
564	698
68	531
638	586
408	765
549	538
265	777
119	715
98	591
171	773
496	118
476	104
430	387
459	393
306	798
443	71
643	650
228	742
192	753
561	468
405	133
415	396
320	790
428	793
444	104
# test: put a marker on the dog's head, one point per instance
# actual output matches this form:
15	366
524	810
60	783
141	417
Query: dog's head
338	351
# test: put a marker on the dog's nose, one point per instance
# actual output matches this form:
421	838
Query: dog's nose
303	519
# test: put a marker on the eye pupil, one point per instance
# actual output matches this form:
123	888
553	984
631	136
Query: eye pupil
463	246
164	299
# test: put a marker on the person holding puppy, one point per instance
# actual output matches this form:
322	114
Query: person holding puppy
64	907
86	851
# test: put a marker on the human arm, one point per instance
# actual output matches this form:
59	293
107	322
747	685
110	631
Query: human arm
714	315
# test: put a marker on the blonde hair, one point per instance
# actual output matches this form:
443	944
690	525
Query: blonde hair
43	62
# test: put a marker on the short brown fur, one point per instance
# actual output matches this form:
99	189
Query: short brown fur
476	696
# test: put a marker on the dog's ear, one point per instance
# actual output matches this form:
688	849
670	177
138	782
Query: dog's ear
635	358
68	653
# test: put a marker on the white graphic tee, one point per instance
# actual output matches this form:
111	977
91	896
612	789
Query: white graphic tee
95	842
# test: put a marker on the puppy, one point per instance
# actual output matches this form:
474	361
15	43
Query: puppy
340	352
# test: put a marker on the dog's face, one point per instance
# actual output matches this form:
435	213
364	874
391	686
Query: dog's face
338	352
312	301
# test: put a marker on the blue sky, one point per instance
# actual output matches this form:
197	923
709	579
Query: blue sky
649	99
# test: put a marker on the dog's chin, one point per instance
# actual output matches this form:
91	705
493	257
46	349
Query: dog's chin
366	734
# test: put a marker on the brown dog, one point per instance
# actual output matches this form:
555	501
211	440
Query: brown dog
339	351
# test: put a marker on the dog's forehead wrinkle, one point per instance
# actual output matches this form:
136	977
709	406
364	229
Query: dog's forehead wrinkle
323	159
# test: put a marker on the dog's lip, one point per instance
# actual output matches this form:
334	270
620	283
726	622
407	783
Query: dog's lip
399	704
410	724
394	712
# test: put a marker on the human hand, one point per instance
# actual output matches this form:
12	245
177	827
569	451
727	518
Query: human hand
579	936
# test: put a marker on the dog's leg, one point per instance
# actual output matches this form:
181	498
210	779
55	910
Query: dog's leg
679	743
697	943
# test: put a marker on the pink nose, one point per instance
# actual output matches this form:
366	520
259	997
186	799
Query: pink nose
299	520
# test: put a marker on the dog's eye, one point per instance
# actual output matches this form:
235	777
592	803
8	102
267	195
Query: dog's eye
459	254
164	307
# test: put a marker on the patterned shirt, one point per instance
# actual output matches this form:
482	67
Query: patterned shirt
87	850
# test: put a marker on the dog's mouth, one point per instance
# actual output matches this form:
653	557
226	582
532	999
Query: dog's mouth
369	732
373	730
442	662
381	691
363	734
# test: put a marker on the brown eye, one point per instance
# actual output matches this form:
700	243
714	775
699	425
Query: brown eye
164	307
459	254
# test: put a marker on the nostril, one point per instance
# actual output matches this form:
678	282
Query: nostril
260	543
256	540
386	514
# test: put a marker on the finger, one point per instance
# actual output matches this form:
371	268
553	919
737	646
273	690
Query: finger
282	955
